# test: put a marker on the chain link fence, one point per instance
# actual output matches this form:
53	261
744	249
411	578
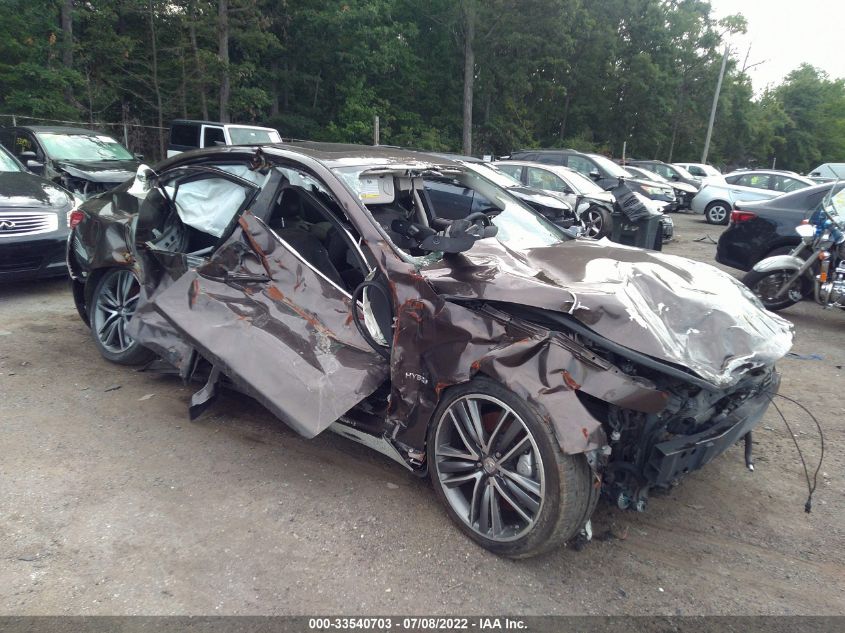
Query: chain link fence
137	137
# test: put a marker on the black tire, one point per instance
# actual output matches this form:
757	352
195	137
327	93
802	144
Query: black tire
717	212
597	221
764	284
111	308
567	487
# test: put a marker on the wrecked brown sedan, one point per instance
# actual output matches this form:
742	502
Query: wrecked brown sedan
524	369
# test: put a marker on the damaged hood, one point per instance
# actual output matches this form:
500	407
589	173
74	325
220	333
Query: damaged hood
99	171
670	308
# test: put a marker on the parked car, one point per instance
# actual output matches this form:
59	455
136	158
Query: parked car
772	179
683	192
603	171
668	172
828	172
523	371
765	228
716	199
595	205
701	170
456	201
187	134
82	161
33	223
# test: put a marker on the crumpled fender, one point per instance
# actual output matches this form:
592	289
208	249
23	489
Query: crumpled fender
438	344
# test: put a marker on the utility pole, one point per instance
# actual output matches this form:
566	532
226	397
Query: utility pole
713	108
376	131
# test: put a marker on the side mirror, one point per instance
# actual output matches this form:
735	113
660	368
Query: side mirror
816	173
139	156
675	177
595	175
35	167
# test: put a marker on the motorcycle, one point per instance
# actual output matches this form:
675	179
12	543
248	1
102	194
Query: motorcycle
784	280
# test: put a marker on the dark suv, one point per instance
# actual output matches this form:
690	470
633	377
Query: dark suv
82	161
602	170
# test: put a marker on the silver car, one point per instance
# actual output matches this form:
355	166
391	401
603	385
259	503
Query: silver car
718	195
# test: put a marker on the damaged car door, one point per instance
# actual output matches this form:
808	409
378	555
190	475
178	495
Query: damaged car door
276	322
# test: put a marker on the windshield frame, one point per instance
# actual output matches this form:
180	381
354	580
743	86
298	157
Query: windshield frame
46	140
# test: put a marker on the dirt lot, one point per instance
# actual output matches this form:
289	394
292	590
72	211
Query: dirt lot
112	502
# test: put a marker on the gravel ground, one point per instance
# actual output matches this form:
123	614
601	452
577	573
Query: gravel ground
112	502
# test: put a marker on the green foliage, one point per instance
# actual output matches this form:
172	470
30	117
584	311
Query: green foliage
548	73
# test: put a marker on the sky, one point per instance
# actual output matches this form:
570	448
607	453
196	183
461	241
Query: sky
784	33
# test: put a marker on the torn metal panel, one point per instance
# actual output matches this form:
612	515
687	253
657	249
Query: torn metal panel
290	342
438	344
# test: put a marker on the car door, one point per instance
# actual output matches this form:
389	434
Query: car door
279	329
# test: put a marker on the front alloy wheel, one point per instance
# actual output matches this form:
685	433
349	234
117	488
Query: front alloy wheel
502	476
112	305
596	222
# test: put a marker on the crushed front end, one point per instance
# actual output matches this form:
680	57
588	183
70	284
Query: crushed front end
655	450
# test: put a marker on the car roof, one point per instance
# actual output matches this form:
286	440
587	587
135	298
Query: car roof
529	163
217	123
57	129
547	150
774	172
349	154
329	154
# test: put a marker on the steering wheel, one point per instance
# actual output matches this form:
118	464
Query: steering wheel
480	218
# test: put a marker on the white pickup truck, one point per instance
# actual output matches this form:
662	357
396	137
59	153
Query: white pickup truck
717	196
187	135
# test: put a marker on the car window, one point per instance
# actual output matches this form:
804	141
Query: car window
696	171
786	184
514	171
185	134
25	142
580	164
758	181
543	179
85	147
548	159
213	136
250	136
664	170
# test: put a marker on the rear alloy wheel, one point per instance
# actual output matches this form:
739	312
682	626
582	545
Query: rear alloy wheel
717	212
597	222
112	305
504	480
766	285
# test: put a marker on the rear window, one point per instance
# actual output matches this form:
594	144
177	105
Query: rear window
187	135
